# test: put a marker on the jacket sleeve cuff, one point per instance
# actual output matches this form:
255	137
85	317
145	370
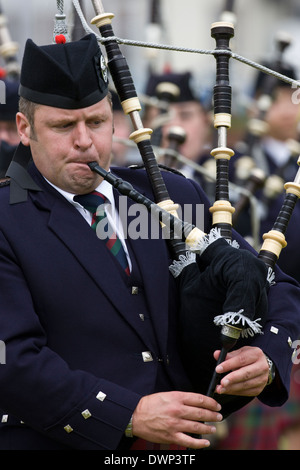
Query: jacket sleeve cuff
278	346
99	422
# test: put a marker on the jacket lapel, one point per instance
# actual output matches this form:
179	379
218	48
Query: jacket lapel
74	232
151	255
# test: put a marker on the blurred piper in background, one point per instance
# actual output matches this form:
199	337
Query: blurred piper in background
9	137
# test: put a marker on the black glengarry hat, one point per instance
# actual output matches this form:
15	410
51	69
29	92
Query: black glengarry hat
70	76
9	109
267	84
182	80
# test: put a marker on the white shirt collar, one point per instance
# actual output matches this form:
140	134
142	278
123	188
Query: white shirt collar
277	150
104	188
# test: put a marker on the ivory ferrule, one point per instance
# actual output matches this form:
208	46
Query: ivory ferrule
227	24
258	127
131	105
273	186
101	20
222	212
274	241
222	153
194	237
9	49
4	31
222	120
293	146
169	206
140	135
292	188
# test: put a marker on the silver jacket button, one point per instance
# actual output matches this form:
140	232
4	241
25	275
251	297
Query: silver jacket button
147	356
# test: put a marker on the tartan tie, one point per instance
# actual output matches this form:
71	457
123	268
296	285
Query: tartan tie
93	202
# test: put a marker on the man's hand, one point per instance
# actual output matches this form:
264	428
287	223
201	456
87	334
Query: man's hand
246	371
173	417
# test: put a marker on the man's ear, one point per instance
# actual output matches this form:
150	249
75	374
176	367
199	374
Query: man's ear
24	129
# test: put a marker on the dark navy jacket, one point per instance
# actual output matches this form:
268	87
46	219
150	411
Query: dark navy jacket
82	344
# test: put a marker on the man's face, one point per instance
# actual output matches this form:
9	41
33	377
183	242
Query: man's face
283	116
191	117
8	132
64	141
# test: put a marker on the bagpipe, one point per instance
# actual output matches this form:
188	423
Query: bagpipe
228	15
8	50
215	289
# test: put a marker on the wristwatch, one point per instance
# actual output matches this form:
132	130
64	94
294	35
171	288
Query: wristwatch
271	370
128	430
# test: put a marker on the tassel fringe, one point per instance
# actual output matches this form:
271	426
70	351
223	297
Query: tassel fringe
200	245
250	327
271	277
198	248
184	260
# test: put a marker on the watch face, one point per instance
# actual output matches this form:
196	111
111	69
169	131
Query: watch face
271	370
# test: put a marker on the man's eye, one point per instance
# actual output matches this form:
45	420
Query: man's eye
62	125
66	125
95	122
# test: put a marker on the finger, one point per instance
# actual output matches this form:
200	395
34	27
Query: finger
190	438
242	375
247	375
251	392
250	387
194	427
192	443
201	401
235	361
201	414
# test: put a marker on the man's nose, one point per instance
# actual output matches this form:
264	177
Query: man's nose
82	137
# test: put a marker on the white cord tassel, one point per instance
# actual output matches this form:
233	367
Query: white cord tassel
250	327
184	260
271	277
200	245
198	248
60	26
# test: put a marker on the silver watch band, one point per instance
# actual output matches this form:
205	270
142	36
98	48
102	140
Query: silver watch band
271	370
